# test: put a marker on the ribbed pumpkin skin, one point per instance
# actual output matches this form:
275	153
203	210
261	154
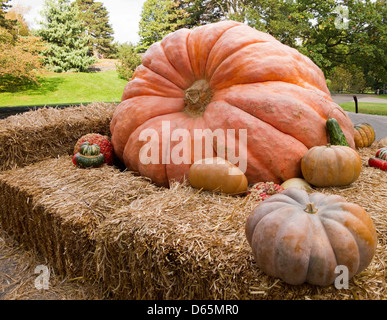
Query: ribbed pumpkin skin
296	246
89	156
331	166
101	140
256	83
364	135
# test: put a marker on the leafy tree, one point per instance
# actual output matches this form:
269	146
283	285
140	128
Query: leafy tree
20	60
343	33
287	21
347	78
16	13
20	56
68	50
332	33
158	18
357	81
95	21
7	24
128	59
232	9
199	12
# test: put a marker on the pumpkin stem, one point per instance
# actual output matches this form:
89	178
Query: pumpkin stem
197	97
310	208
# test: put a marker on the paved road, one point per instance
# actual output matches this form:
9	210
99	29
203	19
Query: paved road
340	98
379	123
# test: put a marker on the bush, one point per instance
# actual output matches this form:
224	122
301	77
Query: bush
128	59
20	60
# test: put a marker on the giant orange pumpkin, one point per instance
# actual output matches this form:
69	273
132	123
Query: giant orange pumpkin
224	76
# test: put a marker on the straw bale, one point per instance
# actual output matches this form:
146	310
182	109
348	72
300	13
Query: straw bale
54	207
48	132
140	241
18	276
185	244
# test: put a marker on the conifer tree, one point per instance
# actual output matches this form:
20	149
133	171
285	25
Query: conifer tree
68	50
95	20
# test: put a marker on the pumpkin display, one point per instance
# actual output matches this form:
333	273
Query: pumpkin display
99	139
263	190
331	166
223	77
336	135
89	156
364	135
297	183
301	237
217	174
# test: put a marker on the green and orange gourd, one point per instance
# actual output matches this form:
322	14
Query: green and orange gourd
89	156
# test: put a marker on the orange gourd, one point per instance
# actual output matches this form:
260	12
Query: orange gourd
364	135
224	76
331	166
301	237
216	174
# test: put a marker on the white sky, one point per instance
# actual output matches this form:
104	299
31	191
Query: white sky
124	16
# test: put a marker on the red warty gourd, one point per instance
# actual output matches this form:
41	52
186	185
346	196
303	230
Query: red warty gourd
102	141
264	190
225	75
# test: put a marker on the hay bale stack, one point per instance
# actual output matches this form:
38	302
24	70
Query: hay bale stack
54	207
145	242
49	132
180	244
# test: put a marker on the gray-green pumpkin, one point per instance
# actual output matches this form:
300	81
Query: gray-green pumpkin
89	156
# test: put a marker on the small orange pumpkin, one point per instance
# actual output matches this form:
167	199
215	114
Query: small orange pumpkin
364	135
217	174
330	166
301	237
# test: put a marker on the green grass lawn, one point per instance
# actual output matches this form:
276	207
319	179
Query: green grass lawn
365	107
67	88
75	88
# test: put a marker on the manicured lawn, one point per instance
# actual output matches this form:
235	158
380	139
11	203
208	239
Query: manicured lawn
75	88
365	107
67	88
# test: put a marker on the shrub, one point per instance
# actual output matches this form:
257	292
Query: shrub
20	60
128	59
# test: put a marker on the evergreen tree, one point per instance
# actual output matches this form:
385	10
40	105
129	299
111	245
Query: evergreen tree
95	20
68	50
